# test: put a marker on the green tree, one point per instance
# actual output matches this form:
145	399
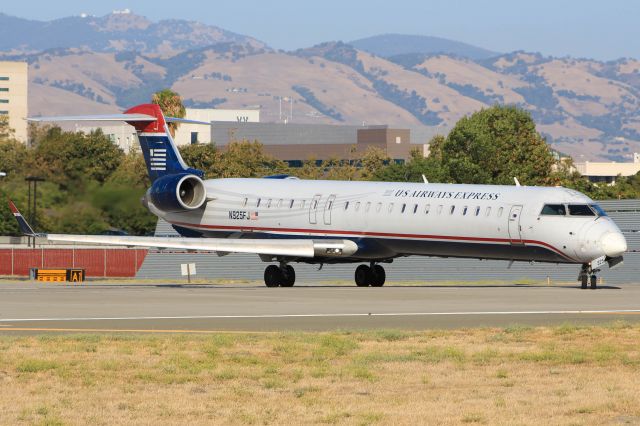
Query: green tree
493	146
248	159
171	105
71	159
205	157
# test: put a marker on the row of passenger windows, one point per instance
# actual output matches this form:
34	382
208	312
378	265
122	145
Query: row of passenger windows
356	206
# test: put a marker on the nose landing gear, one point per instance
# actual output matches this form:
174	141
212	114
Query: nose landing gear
373	276
588	277
282	276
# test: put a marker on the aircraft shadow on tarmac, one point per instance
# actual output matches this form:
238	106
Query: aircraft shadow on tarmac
346	286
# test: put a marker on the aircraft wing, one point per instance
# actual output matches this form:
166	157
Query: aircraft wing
286	247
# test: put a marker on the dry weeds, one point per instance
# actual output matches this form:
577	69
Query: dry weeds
518	375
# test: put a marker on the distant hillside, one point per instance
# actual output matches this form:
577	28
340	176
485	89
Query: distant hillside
390	45
113	33
586	108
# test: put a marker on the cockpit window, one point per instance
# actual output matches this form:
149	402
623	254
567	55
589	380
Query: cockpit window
598	209
580	210
553	210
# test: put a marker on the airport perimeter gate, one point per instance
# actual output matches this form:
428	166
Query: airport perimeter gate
626	213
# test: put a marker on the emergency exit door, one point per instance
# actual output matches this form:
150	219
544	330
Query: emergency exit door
514	225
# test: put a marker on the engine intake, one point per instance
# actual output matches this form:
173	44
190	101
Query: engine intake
174	193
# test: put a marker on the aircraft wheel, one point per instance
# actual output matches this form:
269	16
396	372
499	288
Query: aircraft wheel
363	276
584	281
288	275
378	276
594	282
272	276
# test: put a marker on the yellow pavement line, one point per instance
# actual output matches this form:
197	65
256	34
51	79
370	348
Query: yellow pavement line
122	330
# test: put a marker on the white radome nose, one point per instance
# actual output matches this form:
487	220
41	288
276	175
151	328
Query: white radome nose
613	244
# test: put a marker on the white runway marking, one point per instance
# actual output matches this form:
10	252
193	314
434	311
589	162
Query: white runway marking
338	315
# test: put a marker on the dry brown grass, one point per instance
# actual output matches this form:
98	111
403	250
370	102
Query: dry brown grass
517	375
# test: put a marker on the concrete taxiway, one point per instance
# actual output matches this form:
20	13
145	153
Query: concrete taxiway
29	307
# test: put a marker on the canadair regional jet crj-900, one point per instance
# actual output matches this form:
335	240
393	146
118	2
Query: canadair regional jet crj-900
286	220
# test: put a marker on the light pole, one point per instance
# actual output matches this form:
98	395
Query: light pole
31	212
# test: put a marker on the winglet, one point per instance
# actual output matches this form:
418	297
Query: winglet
25	228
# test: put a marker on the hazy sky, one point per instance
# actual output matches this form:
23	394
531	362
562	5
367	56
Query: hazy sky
586	28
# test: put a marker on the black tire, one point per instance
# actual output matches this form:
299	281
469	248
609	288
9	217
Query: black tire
594	282
272	276
363	276
378	276
584	281
288	276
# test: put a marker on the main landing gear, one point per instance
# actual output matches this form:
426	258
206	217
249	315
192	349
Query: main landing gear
588	277
279	276
373	275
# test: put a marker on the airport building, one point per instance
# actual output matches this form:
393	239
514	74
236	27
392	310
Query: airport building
607	172
294	143
200	133
14	78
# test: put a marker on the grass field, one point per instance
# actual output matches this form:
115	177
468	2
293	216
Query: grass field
518	375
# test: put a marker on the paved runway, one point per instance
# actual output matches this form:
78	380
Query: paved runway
28	307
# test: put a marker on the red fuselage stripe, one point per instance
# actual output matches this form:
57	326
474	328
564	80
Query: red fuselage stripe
369	234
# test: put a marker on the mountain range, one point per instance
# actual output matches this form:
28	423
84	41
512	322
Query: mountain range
588	109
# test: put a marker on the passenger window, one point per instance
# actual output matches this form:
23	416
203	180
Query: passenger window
415	209
452	209
330	204
279	203
302	203
244	203
390	207
346	205
358	206
291	204
477	210
500	211
488	212
269	203
366	209
440	209
258	203
314	204
378	207
553	210
427	208
404	206
580	210
464	211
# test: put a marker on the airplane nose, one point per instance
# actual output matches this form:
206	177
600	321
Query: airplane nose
613	244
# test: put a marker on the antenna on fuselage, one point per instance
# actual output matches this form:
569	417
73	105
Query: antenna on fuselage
424	178
515	179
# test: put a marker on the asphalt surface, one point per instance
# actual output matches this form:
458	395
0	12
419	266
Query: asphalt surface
29	307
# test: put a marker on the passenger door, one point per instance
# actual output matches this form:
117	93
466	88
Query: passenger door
514	225
313	209
328	206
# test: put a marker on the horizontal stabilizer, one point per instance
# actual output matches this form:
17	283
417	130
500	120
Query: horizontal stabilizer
185	121
286	247
104	117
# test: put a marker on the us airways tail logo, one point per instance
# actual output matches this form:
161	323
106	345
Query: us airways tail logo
158	157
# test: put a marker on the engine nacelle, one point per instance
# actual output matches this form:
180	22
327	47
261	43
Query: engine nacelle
174	193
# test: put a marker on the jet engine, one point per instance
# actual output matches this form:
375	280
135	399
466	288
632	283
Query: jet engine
174	193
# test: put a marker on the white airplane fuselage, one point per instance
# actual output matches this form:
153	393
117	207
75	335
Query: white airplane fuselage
389	219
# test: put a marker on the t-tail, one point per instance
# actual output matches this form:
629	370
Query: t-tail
159	150
174	185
